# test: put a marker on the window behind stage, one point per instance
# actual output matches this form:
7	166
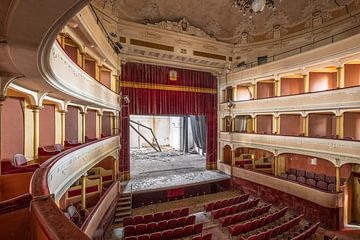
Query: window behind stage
162	145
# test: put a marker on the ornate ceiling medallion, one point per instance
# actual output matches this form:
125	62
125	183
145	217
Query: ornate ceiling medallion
253	6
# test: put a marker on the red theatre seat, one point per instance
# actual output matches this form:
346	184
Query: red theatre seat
18	165
50	150
71	143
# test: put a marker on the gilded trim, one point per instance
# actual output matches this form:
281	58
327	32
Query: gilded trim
168	87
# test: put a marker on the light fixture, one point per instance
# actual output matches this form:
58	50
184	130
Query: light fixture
253	6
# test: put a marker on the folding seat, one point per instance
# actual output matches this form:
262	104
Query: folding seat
155	236
177	233
254	224
253	237
129	231
301	180
184	212
197	229
236	230
330	179
158	217
257	212
140	229
292	171
284	175
262	222
232	209
176	213
162	225
319	177
246	197
224	222
190	220
216	205
275	232
181	221
247	227
225	211
128	221
322	185
300	173
187	231
167	215
237	200
311	182
148	218
144	237
217	214
209	207
292	177
223	203
207	237
167	235
171	224
151	227
235	219
310	175
231	201
256	202
197	238
138	219
239	207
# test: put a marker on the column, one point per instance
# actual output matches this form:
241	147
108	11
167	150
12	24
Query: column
337	174
277	87
62	40
254	90
97	71
276	165
340	77
305	125
340	126
2	100
81	59
276	124
114	125
306	83
62	115
83	191
36	111
83	132
115	167
254	124
99	115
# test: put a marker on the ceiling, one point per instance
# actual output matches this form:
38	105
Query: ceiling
218	19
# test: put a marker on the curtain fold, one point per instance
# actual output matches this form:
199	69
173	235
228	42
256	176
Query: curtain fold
152	93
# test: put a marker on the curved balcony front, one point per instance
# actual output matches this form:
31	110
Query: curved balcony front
52	180
331	149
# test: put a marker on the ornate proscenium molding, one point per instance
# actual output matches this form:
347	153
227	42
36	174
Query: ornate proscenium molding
181	26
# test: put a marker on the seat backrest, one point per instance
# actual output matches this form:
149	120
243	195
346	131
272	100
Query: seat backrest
292	177
58	147
311	182
300	173
310	175
19	160
322	185
301	179
71	210
319	176
331	187
330	179
292	171
284	175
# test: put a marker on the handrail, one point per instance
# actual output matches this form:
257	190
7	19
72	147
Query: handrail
16	203
50	219
298	50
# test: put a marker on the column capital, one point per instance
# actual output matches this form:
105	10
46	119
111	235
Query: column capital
35	108
62	111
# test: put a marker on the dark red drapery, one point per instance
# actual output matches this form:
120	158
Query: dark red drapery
152	93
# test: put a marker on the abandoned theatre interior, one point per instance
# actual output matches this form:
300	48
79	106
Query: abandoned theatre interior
181	119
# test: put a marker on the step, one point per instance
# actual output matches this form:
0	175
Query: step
125	198
123	208
123	213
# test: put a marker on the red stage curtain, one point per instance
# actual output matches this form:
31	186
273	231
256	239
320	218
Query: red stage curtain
152	93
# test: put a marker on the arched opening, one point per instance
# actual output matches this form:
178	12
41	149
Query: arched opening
352	125
291	125
243	93
322	125
265	89
90	129
106	124
227	124
351	193
323	79
47	126
264	124
72	124
291	86
352	73
243	124
254	159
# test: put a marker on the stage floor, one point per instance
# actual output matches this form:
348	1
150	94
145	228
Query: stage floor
151	170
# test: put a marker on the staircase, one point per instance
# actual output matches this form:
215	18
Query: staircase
124	207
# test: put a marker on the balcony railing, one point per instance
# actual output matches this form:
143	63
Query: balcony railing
55	176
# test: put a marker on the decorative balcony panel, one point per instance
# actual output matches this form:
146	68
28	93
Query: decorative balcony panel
71	166
330	149
68	77
325	199
346	98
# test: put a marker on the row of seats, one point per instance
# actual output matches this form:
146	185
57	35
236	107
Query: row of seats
142	228
307	233
276	231
222	212
243	228
226	203
177	233
156	217
321	181
240	217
